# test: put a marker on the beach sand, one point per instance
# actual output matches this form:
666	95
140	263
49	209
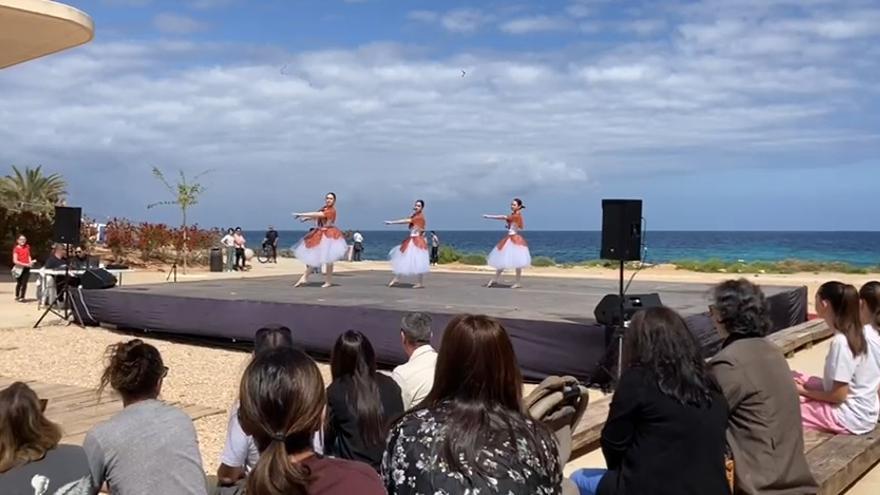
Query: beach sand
57	353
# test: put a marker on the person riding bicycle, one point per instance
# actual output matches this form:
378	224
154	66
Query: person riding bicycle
270	244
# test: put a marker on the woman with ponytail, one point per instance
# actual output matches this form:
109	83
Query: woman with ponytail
282	401
870	312
845	399
148	447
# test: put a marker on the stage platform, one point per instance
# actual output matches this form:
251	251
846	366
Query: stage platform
550	319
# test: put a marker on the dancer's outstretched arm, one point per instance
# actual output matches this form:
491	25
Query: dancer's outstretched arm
397	222
309	215
495	217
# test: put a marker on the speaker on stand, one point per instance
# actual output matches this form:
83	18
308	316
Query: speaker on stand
621	241
65	230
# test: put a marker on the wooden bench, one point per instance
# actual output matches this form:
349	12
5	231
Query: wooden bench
587	433
77	409
838	461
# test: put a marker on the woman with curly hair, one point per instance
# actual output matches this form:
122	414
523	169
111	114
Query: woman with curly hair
764	423
148	447
666	425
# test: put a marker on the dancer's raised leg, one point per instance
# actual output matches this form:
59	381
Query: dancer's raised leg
305	277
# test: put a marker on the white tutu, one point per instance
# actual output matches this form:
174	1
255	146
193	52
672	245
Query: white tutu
329	250
511	256
414	261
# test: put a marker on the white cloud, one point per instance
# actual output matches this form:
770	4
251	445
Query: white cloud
384	120
462	20
535	24
167	22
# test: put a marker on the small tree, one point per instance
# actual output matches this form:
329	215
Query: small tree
185	194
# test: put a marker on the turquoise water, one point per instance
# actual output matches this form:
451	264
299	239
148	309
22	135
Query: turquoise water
856	248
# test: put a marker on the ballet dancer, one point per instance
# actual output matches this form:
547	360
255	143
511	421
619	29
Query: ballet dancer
411	258
512	252
324	244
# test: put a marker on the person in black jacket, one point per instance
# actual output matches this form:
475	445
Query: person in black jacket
361	403
665	433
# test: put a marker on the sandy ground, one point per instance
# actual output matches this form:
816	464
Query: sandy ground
206	375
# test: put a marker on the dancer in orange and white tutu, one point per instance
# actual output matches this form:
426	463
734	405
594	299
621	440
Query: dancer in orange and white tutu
324	244
512	252
411	258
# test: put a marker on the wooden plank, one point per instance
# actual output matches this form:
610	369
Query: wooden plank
813	439
587	432
78	409
843	459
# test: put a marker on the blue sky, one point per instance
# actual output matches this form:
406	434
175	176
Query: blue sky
721	114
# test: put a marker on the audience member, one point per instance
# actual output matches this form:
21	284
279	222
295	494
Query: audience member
764	419
271	241
149	447
240	453
665	432
21	267
870	316
282	401
240	244
228	242
361	402
416	376
80	259
471	434
435	248
845	399
31	460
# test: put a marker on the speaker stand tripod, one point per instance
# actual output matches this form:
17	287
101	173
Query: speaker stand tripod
172	273
69	312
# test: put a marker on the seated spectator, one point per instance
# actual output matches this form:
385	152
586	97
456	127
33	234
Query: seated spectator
80	259
57	258
665	433
870	316
240	453
31	460
845	399
282	403
470	434
764	419
149	447
360	402
416	376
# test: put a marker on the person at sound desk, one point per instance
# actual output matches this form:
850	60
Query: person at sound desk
80	260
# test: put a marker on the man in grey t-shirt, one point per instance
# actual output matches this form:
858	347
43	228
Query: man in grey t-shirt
147	448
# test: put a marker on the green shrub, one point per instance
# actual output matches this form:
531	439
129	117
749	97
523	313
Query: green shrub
473	259
447	255
781	267
542	261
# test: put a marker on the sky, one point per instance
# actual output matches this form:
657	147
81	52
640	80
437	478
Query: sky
719	114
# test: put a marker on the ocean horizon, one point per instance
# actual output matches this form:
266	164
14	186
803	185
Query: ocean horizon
858	248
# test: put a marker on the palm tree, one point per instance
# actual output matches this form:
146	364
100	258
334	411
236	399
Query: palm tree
31	190
185	195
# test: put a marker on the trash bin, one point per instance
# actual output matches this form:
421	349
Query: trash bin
216	260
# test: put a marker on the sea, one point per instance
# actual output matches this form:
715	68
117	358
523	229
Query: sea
854	248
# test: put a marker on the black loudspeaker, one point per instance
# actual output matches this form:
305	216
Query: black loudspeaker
97	278
621	229
67	225
608	310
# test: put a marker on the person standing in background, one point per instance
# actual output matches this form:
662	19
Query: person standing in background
435	248
358	250
272	242
21	267
239	242
228	242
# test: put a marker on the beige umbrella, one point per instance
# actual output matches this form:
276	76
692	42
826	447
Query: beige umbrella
31	29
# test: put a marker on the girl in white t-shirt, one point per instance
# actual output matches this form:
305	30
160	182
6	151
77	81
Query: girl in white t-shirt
870	309
845	399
